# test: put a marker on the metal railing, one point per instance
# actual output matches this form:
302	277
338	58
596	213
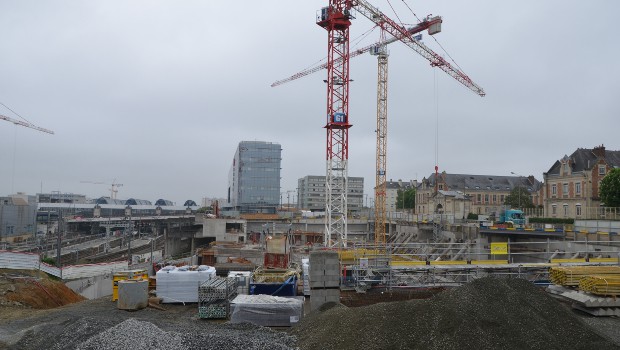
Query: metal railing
446	264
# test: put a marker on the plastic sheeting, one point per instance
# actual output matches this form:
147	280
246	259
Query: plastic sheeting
267	310
180	285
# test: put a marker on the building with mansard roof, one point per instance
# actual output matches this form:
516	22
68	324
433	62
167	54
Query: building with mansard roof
486	193
572	183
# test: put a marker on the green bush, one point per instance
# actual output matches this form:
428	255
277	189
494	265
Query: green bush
551	221
49	261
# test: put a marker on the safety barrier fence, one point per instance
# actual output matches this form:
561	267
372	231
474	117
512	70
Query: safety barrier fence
30	261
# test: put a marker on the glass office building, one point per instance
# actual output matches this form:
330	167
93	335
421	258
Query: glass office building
254	177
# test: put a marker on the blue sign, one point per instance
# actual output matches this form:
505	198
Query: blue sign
340	117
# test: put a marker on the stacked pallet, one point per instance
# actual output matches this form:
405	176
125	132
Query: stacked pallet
214	297
571	275
608	285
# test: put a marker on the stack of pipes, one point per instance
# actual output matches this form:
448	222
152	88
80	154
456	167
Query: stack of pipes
570	276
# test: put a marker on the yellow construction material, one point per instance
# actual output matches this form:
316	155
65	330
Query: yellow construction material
407	263
265	275
608	285
358	253
608	260
571	275
489	262
558	261
126	275
449	262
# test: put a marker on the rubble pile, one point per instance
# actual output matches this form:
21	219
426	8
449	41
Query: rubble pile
489	313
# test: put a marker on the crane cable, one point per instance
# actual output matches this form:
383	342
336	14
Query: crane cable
356	43
436	98
14	146
17	114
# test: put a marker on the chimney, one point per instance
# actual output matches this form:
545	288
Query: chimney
599	151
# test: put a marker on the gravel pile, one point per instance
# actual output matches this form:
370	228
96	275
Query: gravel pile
488	313
92	334
98	324
135	334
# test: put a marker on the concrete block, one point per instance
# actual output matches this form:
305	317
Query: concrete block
316	302
332	267
317	284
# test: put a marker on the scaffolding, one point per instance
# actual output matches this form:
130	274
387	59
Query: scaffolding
405	264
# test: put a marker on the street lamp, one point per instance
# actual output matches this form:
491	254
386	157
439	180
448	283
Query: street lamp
518	189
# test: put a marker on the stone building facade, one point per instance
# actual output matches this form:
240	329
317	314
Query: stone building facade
571	186
486	193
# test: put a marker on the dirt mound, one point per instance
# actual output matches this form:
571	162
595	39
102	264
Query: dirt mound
488	313
34	290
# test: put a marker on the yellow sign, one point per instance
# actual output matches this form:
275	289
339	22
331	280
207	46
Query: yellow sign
499	248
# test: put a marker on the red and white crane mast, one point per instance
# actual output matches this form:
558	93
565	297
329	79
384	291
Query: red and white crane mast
336	19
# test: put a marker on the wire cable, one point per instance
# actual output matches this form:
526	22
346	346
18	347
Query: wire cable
17	114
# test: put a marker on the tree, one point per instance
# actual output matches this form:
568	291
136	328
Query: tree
405	199
204	210
610	188
519	197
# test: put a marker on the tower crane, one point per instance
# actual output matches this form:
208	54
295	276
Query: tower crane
336	19
425	24
113	186
25	124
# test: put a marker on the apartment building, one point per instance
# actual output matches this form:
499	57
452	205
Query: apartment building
312	192
571	186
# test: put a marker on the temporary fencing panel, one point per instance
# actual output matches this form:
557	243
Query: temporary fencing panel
18	261
30	261
90	270
52	270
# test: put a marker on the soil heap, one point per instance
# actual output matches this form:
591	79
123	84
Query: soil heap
489	313
34	289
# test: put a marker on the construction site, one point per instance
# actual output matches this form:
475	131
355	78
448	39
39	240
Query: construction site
145	278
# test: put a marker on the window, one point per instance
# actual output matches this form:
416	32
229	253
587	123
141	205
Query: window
554	189
494	198
554	209
578	209
577	188
479	198
486	198
565	209
501	198
565	189
601	170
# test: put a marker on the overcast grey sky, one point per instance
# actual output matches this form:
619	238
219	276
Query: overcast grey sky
157	94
